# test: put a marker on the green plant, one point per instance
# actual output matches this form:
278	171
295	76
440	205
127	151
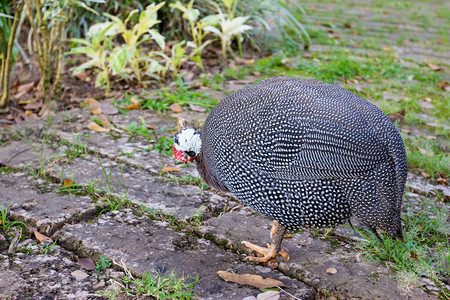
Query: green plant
230	27
7	36
40	154
46	247
5	224
120	199
158	286
164	145
102	56
136	129
96	48
141	32
48	20
197	31
102	264
75	148
425	246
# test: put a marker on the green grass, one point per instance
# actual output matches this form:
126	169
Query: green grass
161	99
425	249
425	155
164	145
139	130
156	286
6	225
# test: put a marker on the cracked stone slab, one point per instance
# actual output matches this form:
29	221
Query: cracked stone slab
144	245
180	200
32	200
19	154
310	259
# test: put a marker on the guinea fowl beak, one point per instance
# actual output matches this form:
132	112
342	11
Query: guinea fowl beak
179	155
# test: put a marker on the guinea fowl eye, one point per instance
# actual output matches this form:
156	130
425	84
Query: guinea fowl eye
191	153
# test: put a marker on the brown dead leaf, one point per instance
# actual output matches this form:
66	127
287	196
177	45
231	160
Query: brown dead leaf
97	128
34	105
198	108
426	175
25	88
176	108
40	237
250	279
188	77
331	271
413	255
444	85
427	99
348	25
67	182
442	180
93	105
405	130
81	75
434	67
170	169
398	116
105	121
151	127
333	36
134	104
386	48
86	263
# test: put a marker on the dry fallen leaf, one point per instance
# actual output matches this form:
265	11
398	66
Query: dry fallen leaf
40	237
331	271
386	48
67	182
444	85
93	105
442	180
250	279
434	67
176	108
398	116
426	175
134	104
405	130
86	263
97	128
431	137
170	169
105	121
427	99
198	108
25	87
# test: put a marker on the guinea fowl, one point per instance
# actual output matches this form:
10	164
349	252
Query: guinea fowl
304	153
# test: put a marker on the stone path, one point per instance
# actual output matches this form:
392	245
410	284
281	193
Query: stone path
170	222
170	226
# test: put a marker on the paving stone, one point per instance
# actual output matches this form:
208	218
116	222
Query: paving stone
151	246
180	200
310	258
33	201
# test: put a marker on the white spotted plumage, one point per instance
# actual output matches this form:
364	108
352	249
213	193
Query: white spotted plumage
308	154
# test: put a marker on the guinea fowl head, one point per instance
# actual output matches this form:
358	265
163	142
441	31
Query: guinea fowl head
187	143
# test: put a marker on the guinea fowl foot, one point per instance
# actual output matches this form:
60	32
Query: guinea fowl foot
268	252
277	233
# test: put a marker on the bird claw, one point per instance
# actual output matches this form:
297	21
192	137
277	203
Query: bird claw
268	252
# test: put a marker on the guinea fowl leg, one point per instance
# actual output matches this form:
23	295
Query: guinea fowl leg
273	249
